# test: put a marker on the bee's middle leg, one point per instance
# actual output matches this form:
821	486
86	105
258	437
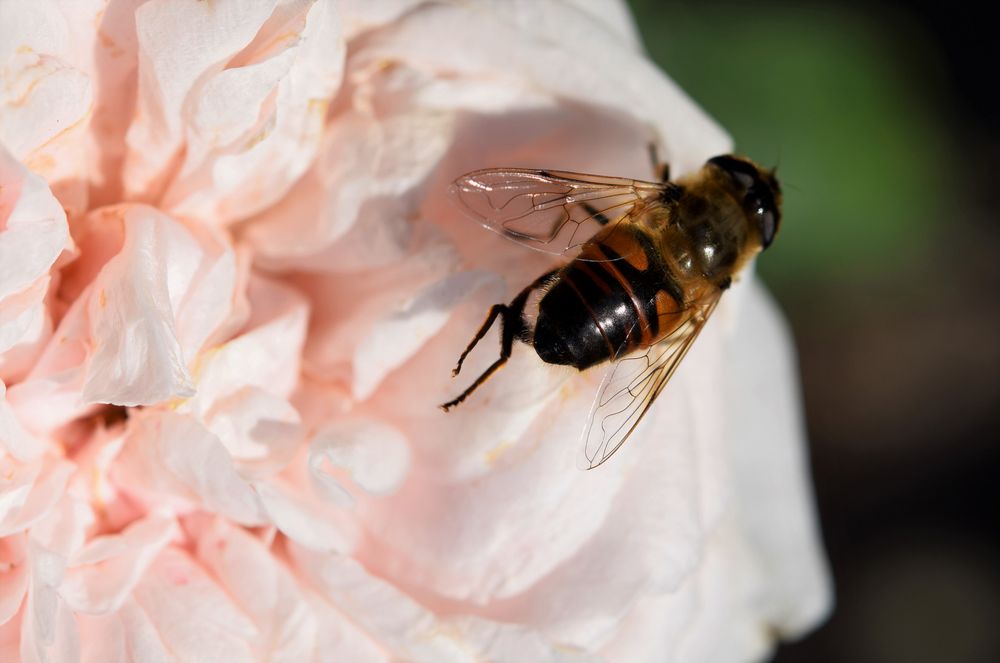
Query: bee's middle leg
511	327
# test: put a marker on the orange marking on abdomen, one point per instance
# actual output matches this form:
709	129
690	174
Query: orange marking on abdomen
647	332
628	247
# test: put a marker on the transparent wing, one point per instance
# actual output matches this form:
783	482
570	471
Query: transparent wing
551	211
632	384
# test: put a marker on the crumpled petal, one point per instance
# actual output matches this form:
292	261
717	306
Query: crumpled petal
497	37
411	632
374	455
102	573
33	233
265	590
152	306
173	460
48	94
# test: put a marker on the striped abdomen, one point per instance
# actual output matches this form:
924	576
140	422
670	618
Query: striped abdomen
619	295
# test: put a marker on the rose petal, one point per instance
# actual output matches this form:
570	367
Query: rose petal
33	230
179	45
771	472
612	75
103	573
263	589
173	461
413	633
28	492
152	306
307	518
396	337
375	455
256	126
181	610
13	576
13	437
47	97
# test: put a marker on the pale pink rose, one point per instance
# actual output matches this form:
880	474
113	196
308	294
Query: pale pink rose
232	290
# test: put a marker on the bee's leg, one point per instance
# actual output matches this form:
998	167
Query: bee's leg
511	327
495	310
661	169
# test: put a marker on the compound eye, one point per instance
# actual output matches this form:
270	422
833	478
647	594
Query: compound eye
767	222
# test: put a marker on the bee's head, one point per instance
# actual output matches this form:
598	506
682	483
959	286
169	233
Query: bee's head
758	189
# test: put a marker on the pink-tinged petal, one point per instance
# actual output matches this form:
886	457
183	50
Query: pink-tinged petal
102	573
152	307
494	44
180	44
346	307
265	355
51	635
364	161
172	460
50	395
124	636
260	431
47	96
265	590
14	439
257	125
33	229
770	471
13	576
411	632
49	630
361	15
374	455
397	336
308	517
182	610
24	328
28	492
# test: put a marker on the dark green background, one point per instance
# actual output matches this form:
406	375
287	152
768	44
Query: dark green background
883	120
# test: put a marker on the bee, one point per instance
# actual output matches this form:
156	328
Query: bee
650	261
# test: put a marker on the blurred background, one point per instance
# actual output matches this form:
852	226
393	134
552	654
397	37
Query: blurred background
884	118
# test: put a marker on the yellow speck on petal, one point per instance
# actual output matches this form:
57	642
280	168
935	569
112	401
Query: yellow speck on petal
102	298
494	454
23	49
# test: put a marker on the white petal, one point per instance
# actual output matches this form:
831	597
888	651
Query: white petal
103	573
185	612
265	590
14	574
306	518
47	96
363	161
257	126
14	439
411	632
179	44
27	494
771	470
173	460
33	229
138	359
614	75
265	356
375	455
396	337
152	307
